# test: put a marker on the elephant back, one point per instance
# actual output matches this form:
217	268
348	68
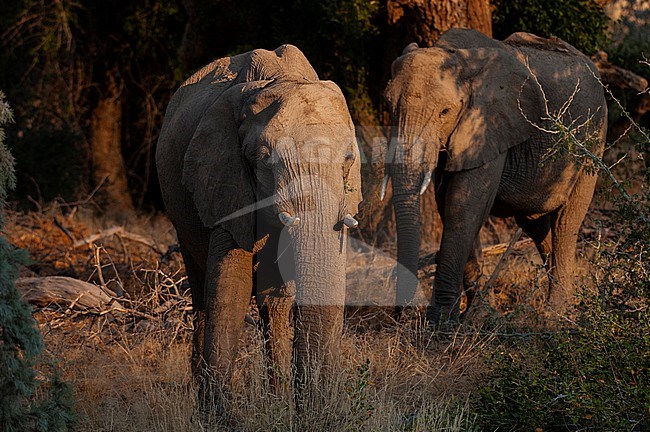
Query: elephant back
565	75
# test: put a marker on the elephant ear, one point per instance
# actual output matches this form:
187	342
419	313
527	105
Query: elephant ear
215	173
504	105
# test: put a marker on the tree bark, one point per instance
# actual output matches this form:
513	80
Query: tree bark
107	162
423	21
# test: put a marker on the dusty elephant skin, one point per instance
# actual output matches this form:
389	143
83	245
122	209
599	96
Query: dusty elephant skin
260	173
475	109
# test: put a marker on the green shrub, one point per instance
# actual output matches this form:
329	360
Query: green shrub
594	375
20	340
582	23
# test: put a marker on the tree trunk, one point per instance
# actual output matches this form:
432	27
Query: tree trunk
421	21
108	165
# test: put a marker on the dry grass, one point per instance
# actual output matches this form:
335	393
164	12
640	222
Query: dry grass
391	380
131	372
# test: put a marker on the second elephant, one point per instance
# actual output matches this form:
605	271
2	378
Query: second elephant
477	114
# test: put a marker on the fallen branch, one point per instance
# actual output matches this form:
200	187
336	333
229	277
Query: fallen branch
430	259
64	291
120	232
490	283
502	247
67	232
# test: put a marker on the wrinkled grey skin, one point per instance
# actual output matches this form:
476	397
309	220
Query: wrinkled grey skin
464	109
260	127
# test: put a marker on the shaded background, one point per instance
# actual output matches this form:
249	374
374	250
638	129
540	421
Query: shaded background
89	81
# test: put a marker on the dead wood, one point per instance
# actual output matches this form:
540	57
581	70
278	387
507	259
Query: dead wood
64	291
430	259
120	232
617	76
502	247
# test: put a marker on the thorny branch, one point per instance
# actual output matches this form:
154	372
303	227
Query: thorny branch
580	149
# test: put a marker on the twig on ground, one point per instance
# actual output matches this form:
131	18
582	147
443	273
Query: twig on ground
67	232
502	247
120	232
430	259
490	283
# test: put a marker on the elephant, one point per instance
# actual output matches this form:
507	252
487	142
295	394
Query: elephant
259	170
482	118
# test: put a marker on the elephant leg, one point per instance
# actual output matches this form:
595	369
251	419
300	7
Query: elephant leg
472	273
473	270
275	293
196	278
275	306
228	289
194	243
564	228
468	200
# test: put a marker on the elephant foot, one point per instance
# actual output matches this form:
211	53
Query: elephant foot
470	295
213	405
441	317
407	314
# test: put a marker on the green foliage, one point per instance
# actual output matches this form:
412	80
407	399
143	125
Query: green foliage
20	340
7	174
594	377
582	23
596	374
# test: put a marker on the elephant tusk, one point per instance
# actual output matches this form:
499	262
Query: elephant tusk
384	185
350	222
425	182
287	219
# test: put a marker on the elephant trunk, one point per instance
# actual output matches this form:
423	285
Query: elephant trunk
412	160
320	296
406	203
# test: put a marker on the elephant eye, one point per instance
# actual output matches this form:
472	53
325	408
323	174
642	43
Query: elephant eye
260	155
264	153
444	112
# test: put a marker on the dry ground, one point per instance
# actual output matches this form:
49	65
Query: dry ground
130	370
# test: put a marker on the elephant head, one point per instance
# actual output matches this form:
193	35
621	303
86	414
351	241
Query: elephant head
453	107
275	147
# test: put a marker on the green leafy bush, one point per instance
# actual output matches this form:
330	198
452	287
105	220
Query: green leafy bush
20	339
582	23
595	375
